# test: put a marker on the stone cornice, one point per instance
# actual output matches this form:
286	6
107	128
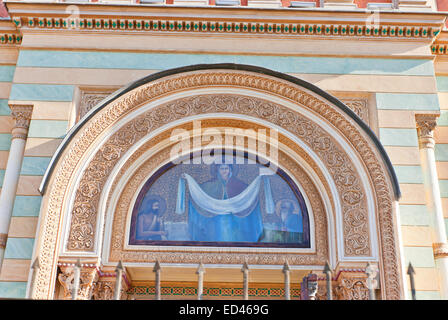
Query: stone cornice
235	21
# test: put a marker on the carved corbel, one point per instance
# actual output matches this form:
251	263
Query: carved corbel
89	276
351	286
105	287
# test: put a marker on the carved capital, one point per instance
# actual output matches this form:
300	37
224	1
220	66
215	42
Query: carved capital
426	123
66	278
105	287
352	286
22	117
440	250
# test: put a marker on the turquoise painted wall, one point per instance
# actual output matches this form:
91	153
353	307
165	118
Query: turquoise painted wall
163	61
4	108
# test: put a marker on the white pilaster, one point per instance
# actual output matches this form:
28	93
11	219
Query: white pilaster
425	127
21	115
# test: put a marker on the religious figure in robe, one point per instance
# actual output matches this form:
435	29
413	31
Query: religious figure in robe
290	225
224	208
149	223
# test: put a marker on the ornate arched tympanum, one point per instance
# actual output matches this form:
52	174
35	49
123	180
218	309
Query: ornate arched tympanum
323	149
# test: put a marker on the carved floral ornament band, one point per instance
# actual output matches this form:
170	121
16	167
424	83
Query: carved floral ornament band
381	184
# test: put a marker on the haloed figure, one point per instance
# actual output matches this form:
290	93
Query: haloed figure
291	223
149	224
233	223
224	183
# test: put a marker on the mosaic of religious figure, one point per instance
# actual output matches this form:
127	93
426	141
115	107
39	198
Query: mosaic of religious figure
221	204
149	224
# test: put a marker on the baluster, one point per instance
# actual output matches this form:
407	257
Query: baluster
119	275
200	272
328	272
157	285
286	271
245	271
76	280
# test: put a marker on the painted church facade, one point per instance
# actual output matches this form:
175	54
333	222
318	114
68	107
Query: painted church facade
221	149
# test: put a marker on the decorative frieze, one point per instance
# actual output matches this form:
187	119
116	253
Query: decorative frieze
10	38
257	27
274	291
439	49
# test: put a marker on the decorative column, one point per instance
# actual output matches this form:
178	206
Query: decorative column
22	116
426	124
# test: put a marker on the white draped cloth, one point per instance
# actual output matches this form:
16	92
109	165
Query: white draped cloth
236	204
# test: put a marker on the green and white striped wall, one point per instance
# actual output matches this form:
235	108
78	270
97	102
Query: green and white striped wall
49	79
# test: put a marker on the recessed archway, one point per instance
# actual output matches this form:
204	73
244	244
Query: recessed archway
319	139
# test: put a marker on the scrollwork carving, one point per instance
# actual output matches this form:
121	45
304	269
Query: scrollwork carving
87	282
352	289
